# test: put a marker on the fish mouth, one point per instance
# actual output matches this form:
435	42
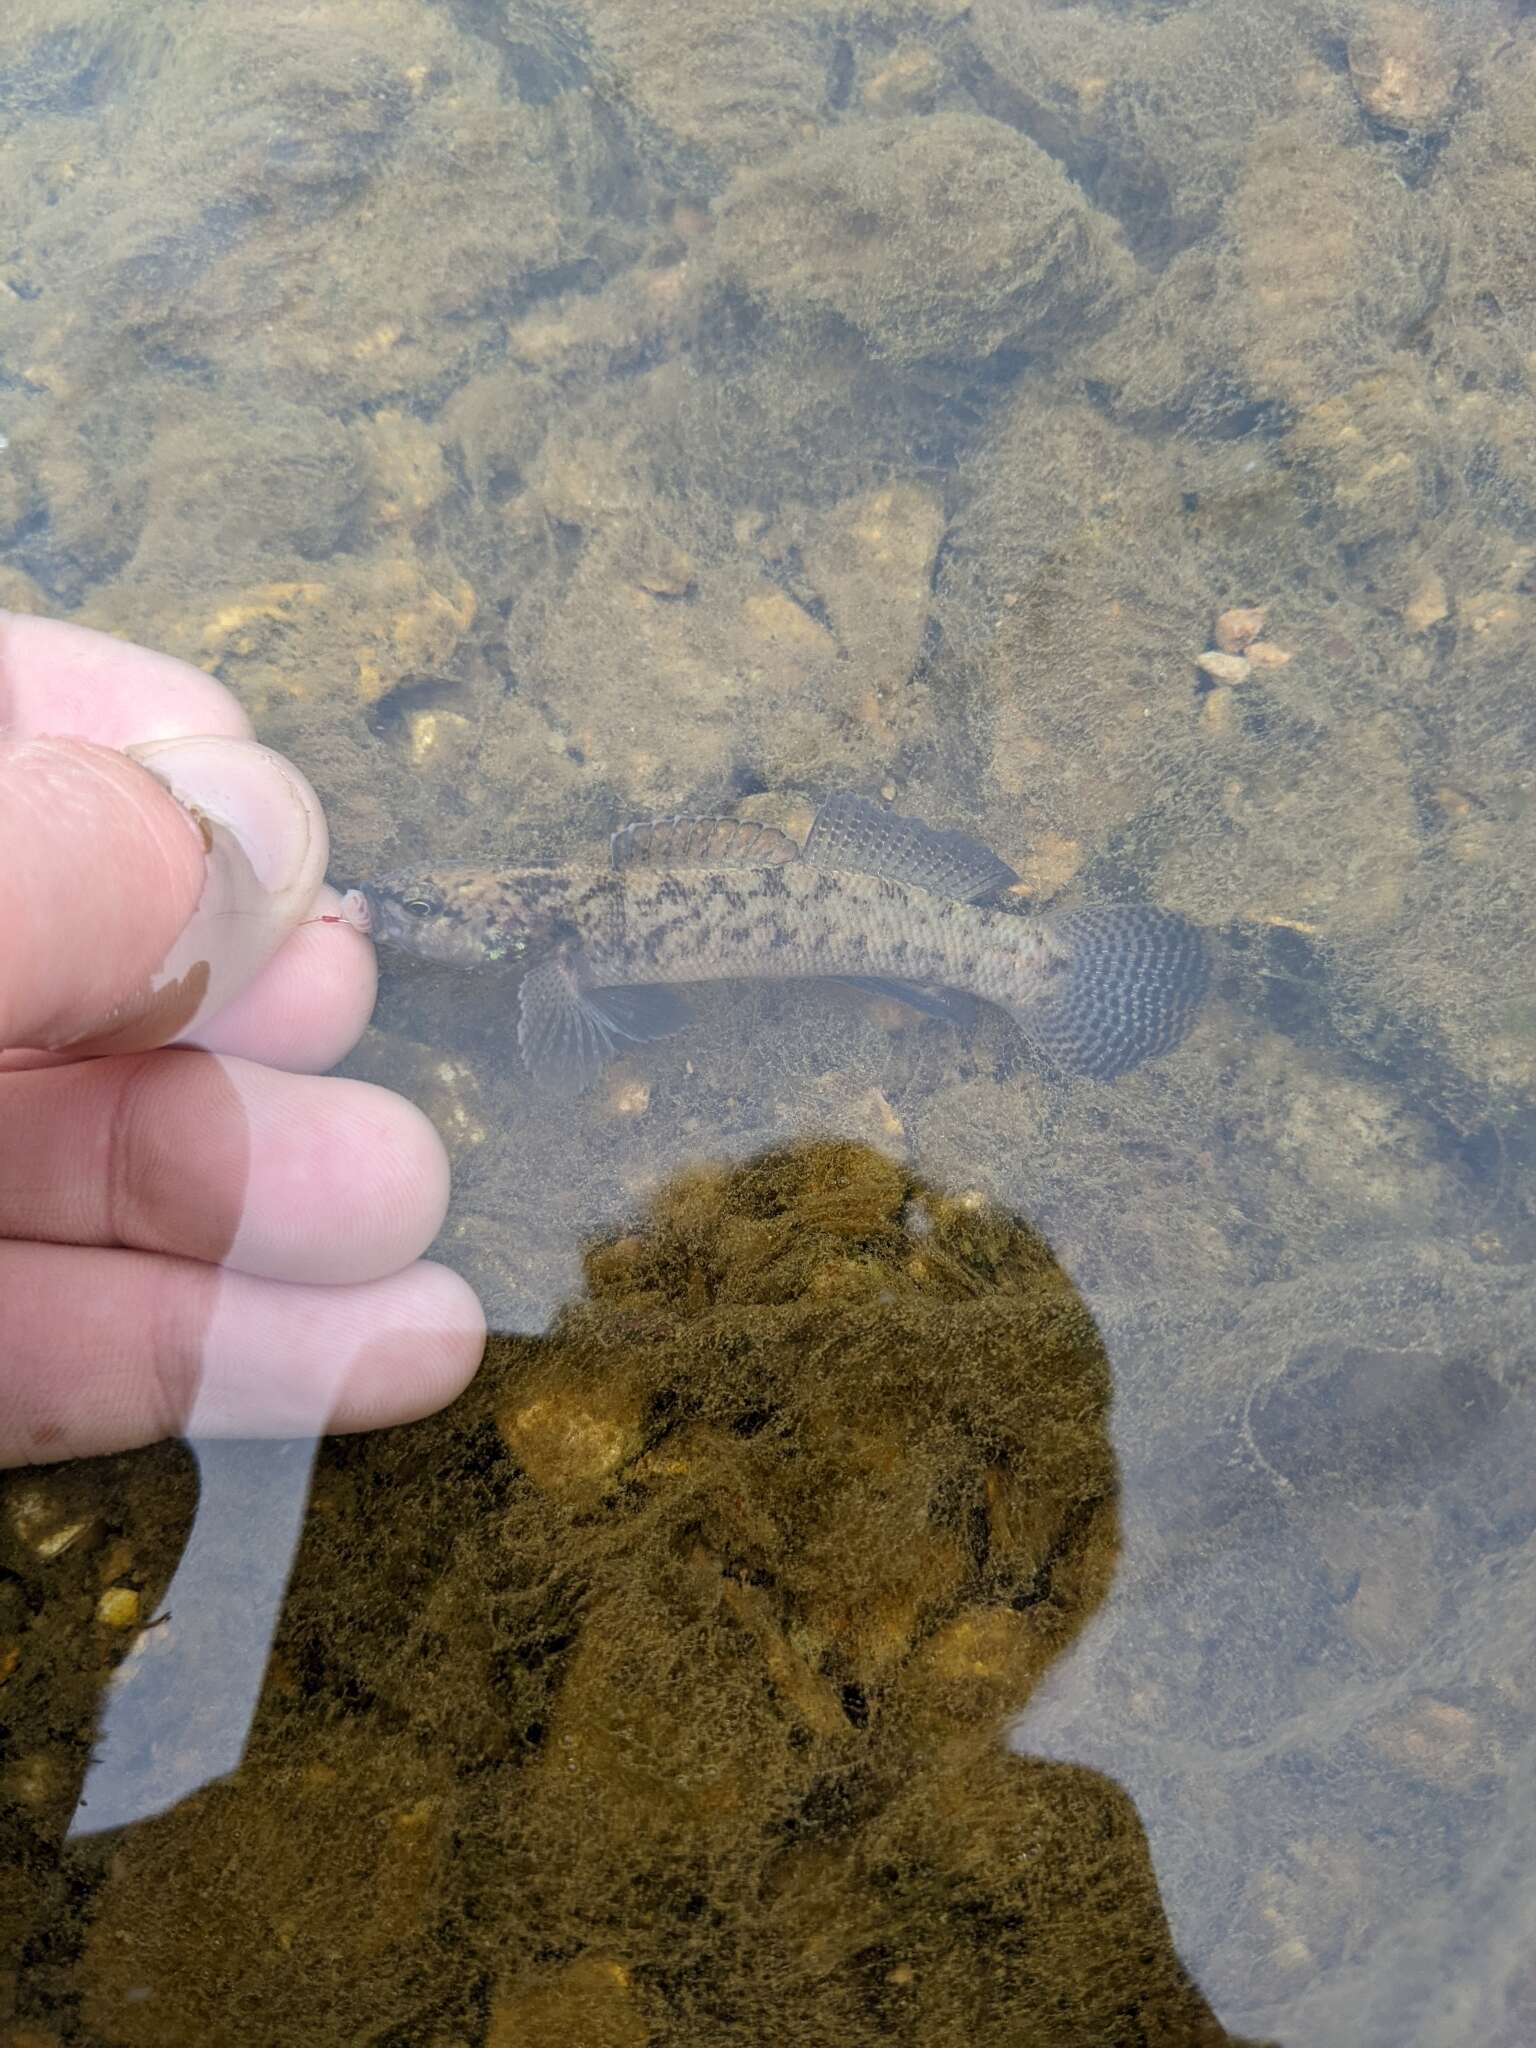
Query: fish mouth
357	911
385	920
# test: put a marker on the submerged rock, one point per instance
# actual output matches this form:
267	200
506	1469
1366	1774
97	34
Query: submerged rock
949	236
684	1683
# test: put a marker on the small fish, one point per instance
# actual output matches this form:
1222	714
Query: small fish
885	903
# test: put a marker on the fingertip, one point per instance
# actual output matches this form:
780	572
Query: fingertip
443	1344
283	1359
405	1169
309	1005
107	1349
345	1182
425	1338
267	848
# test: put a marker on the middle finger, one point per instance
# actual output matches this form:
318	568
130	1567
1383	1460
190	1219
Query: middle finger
288	1176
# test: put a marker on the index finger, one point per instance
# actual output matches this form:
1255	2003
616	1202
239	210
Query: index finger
67	681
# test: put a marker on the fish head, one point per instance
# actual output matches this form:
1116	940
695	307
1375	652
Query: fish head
457	917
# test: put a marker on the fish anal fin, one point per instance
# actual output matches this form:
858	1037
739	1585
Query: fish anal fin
701	843
852	832
567	1033
953	1005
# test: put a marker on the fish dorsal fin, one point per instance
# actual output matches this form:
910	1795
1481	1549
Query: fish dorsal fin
701	843
851	832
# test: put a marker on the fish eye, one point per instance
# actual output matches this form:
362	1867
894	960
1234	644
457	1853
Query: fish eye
418	906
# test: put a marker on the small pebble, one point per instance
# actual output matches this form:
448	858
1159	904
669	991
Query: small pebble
1400	68
909	77
1265	654
626	1095
669	572
1454	802
1238	628
118	1607
1047	868
1218	713
1224	668
884	1115
1427	606
35	1518
1499	613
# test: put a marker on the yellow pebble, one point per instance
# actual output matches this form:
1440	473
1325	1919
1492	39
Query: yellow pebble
627	1096
1224	668
1218	714
118	1607
1427	606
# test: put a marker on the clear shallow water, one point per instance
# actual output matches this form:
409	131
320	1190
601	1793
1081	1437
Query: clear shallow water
544	419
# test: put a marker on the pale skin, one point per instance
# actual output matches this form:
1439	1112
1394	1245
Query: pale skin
211	1233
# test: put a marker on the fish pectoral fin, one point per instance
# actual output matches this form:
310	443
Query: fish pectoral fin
953	1005
567	1033
701	843
1126	984
852	832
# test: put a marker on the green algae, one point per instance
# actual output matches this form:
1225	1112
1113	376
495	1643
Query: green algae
676	1714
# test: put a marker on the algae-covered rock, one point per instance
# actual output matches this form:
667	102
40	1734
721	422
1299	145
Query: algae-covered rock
669	647
1339	262
950	236
1155	115
242	492
1486	331
345	202
1071	620
1376	450
1403	65
711	88
670	1707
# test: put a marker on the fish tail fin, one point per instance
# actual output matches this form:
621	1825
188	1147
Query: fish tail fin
1126	985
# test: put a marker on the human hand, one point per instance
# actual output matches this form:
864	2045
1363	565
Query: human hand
206	1238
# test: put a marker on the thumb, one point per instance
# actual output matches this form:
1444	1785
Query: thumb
145	890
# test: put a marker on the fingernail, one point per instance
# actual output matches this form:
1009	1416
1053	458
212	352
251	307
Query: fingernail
267	854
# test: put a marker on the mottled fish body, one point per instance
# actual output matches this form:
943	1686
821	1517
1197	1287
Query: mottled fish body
886	903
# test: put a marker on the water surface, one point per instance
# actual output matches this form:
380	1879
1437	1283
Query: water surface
547	417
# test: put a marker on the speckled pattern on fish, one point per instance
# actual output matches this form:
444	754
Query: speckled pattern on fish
886	903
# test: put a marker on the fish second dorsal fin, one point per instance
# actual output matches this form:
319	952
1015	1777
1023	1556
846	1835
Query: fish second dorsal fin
701	843
851	832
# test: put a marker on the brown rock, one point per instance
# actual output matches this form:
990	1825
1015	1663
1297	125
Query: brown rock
1237	628
1401	72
